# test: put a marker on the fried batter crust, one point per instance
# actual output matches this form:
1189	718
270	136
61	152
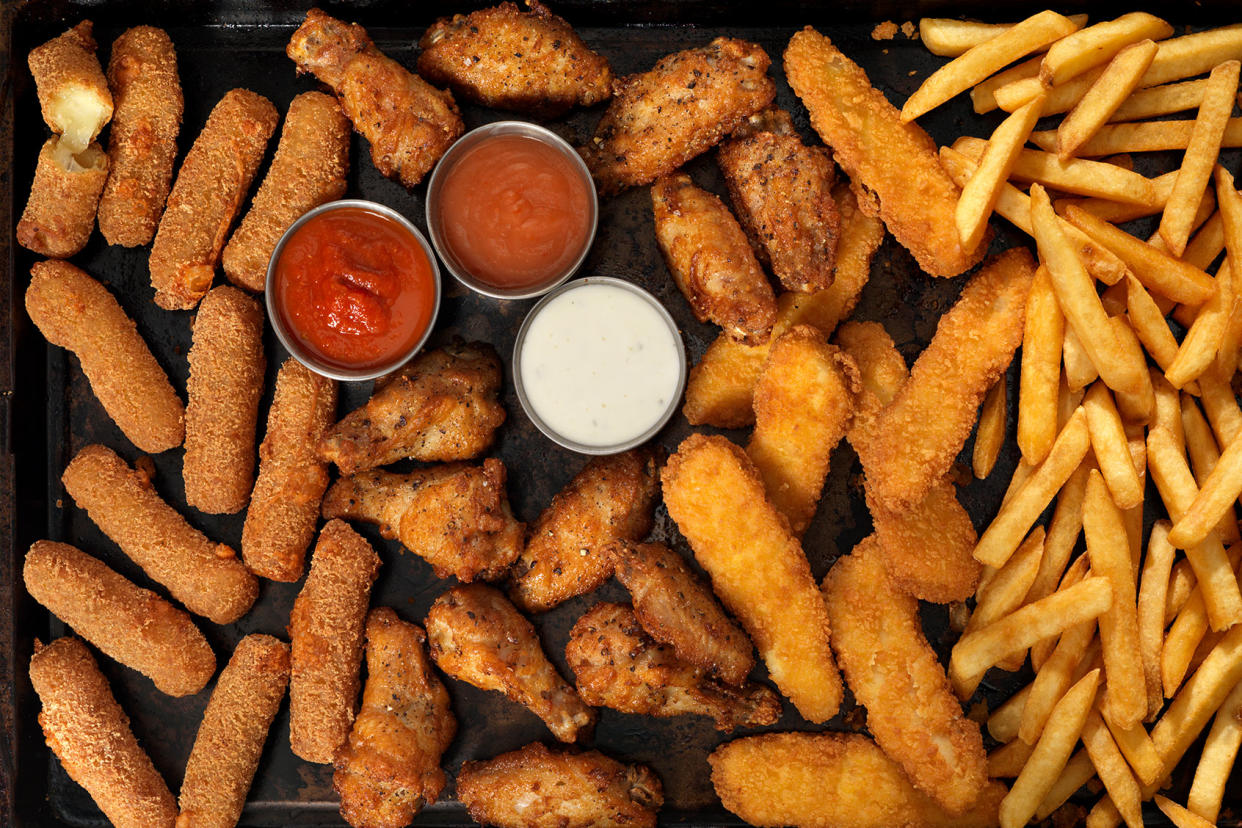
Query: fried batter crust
60	212
67	76
505	58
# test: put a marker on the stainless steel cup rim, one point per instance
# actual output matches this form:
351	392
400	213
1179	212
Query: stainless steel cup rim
462	145
548	431
290	341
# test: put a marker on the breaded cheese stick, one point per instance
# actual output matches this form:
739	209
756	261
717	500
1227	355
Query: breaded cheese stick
70	83
142	142
325	629
209	190
284	506
75	312
132	625
206	577
60	212
309	168
89	733
226	381
716	496
230	740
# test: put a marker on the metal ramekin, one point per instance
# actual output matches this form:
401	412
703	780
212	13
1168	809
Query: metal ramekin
290	340
674	399
463	145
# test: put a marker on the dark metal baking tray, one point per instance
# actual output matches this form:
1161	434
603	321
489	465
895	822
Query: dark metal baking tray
49	411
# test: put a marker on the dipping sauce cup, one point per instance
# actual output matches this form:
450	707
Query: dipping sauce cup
353	290
511	210
599	365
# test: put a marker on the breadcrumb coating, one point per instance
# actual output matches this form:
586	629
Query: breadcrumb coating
60	212
69	81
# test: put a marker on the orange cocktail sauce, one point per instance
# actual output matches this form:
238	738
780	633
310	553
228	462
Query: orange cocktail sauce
515	211
355	287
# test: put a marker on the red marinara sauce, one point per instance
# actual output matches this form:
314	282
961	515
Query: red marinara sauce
516	211
355	287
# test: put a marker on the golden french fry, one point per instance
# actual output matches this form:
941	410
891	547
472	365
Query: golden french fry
947	37
1168	415
1181	584
1204	455
1006	589
1078	772
1041	369
1137	747
1187	630
1007	761
1181	817
983	96
990	433
1105	97
1075	572
1075	175
1055	676
1148	136
1161	100
979	196
1135	406
1153	590
1221	488
1090	47
1112	769
1062	534
1194	54
1004	722
1116	212
1021	90
1108	443
1216	762
1230	350
1221	407
1149	324
1079	369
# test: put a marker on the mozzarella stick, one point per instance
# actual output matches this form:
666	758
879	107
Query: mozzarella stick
308	169
89	733
132	625
325	629
210	186
75	312
230	739
206	577
73	94
226	381
142	142
60	212
284	505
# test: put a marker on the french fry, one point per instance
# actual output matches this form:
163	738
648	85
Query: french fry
1201	153
1204	455
1005	591
1161	100
1040	370
983	95
1004	722
1108	443
1227	355
990	433
1153	590
1090	47
1075	572
1149	324
947	37
1187	630
1210	639
1079	369
1105	97
1078	772
1194	54
1221	407
985	59
1061	98
1181	817
1116	212
1217	760
979	196
1136	745
1208	242
1168	415
1181	584
1221	488
1007	761
1112	769
1136	407
1147	136
1062	534
1075	175
1055	676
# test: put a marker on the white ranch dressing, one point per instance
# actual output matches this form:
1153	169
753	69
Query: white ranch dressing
599	364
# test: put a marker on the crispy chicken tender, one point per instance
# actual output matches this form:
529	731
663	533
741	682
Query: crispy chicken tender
89	733
456	517
722	385
325	630
408	122
679	109
804	402
617	665
442	406
230	740
284	506
226	381
478	637
677	608
309	169
73	93
711	261
505	58
75	312
916	438
716	496
206	577
132	625
781	190
390	767
540	788
60	212
142	142
894	166
612	498
831	780
911	709
210	188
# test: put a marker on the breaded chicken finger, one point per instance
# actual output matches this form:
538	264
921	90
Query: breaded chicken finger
132	625
325	629
142	143
206	196
230	739
60	213
226	381
206	577
308	169
75	312
284	505
70	83
89	733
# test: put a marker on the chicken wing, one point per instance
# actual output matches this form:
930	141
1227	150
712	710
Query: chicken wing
618	665
677	608
711	260
509	59
440	407
477	636
681	108
390	767
408	122
612	498
454	516
781	190
540	788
